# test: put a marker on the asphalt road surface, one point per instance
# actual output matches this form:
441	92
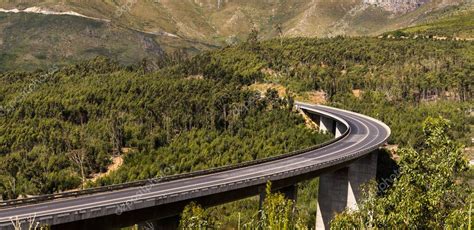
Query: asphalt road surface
365	134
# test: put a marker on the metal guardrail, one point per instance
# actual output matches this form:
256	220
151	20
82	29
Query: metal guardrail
353	156
90	191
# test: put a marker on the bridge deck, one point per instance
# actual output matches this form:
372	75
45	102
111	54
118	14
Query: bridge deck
365	135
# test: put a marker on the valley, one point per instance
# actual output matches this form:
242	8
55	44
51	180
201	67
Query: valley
96	95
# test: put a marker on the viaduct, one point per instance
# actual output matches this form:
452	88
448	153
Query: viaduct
342	164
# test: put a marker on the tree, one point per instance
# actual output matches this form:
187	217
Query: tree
277	211
428	194
195	217
117	133
78	158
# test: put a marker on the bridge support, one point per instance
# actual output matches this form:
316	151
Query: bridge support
342	189
332	196
360	172
326	125
340	129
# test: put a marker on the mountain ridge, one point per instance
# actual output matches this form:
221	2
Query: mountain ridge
218	20
188	25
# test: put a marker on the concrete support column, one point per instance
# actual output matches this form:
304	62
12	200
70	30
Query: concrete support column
332	196
340	129
342	189
360	172
326	125
263	195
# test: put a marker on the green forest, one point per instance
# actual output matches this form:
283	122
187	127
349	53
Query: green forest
403	82
73	120
63	124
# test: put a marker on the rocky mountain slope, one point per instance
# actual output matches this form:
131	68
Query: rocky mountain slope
397	6
221	20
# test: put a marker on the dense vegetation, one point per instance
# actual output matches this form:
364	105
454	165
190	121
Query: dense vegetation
59	127
429	193
62	125
403	80
402	83
261	135
452	24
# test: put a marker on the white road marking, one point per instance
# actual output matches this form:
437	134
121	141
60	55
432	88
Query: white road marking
209	183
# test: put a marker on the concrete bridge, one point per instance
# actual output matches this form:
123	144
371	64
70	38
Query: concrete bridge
342	164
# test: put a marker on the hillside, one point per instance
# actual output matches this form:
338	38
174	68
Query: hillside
220	20
40	40
36	34
205	112
453	22
30	41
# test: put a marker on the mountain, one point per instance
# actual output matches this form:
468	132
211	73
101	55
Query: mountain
217	20
125	29
30	40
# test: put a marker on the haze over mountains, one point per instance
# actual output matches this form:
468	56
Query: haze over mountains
154	26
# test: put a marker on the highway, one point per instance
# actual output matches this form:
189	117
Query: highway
364	135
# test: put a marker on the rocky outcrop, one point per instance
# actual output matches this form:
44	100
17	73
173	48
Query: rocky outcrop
397	6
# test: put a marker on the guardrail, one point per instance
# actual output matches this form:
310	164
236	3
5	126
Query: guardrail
90	191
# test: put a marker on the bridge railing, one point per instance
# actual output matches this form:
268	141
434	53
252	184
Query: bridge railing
91	191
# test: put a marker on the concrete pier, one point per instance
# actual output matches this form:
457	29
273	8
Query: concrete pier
360	173
326	125
332	196
342	189
340	129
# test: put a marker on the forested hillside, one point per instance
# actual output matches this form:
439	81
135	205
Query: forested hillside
60	126
399	81
201	112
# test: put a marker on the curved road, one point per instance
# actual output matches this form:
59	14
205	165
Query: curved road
365	135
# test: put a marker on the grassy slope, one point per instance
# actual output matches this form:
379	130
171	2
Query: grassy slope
453	23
